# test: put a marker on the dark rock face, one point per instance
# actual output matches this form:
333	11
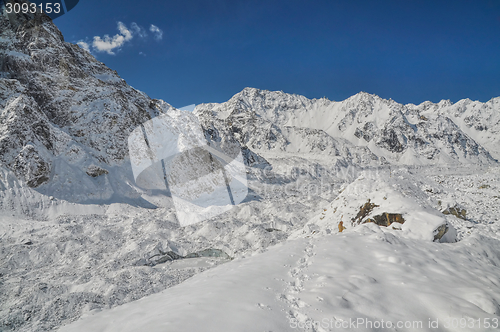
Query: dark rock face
31	166
390	141
367	132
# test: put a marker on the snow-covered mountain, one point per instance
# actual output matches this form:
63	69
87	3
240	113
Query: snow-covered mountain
480	121
363	129
65	119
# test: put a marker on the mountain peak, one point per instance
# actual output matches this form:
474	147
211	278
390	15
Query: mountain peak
62	111
22	24
363	94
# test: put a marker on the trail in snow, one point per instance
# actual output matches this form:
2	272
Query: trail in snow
318	284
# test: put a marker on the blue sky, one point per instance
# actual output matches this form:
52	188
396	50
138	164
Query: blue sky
410	51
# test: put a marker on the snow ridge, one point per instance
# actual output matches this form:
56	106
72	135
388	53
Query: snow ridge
365	124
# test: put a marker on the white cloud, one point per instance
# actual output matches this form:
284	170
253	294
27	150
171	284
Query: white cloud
138	30
84	45
111	44
157	32
124	31
108	44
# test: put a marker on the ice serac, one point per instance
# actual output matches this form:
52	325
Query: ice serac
363	129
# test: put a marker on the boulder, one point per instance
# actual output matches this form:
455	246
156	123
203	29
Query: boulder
440	232
386	219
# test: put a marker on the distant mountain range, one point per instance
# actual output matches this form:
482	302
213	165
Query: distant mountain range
363	129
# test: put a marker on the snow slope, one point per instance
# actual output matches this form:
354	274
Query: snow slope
364	275
322	279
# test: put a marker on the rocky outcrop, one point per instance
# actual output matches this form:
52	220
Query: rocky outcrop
440	231
31	166
456	211
386	219
383	219
364	211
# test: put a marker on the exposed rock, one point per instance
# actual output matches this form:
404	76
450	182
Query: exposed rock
31	166
440	232
95	171
390	140
456	211
364	211
396	226
386	219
